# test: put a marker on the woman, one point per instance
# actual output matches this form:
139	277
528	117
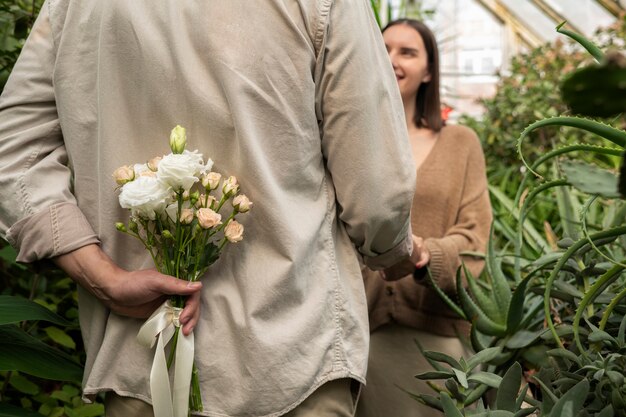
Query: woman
451	214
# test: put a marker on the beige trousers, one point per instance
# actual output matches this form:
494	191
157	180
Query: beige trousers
336	398
393	363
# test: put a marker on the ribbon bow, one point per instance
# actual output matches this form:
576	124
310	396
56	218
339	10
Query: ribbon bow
163	323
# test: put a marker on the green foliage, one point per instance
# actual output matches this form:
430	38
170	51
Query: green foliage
40	342
561	316
16	20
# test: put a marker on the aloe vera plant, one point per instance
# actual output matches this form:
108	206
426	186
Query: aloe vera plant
563	315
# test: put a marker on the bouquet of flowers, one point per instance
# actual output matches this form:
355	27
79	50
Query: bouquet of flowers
175	203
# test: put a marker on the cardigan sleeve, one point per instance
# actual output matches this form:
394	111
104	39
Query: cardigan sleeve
38	212
471	230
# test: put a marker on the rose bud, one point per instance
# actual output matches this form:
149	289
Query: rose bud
230	187
178	139
241	203
153	164
186	216
124	174
211	180
120	226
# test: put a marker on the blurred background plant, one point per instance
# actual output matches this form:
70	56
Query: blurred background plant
558	311
16	20
41	349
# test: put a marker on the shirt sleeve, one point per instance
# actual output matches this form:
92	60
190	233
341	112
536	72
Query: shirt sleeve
364	137
471	231
38	212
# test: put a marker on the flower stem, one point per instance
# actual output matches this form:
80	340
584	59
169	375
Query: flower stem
195	399
170	358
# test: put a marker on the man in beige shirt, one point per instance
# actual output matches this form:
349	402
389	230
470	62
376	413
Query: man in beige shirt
298	100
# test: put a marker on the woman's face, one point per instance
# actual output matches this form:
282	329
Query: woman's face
408	57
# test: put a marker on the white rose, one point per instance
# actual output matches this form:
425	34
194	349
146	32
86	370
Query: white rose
207	218
234	231
181	170
241	203
145	197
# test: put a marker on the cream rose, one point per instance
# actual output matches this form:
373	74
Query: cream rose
124	174
241	203
180	171
211	180
153	164
186	216
234	231
230	186
207	218
145	197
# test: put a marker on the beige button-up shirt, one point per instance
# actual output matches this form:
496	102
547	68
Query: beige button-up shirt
296	98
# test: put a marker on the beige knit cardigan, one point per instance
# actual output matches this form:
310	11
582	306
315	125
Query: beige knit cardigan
452	212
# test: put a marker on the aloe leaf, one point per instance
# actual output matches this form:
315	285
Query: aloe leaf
437	366
486	303
525	412
610	133
561	151
17	309
449	408
604	234
523	338
614	302
565	354
621	333
21	352
461	377
600	285
516	306
451	304
484	356
487	378
442	357
520	398
584	42
475	394
425	399
499	283
590	179
434	375
536	240
572	401
507	393
524	210
474	313
546	391
583	216
567	207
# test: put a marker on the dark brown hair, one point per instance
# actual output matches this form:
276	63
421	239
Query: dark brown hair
427	102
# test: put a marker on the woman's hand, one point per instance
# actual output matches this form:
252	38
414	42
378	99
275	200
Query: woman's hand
419	258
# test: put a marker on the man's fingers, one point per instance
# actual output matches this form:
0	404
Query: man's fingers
174	286
191	313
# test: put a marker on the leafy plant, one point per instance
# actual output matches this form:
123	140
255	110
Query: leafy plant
575	363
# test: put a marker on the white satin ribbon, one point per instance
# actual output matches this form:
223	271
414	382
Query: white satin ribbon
162	324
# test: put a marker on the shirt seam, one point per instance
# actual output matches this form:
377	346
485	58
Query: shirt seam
337	356
322	24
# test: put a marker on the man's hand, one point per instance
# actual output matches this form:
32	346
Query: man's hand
419	258
129	293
